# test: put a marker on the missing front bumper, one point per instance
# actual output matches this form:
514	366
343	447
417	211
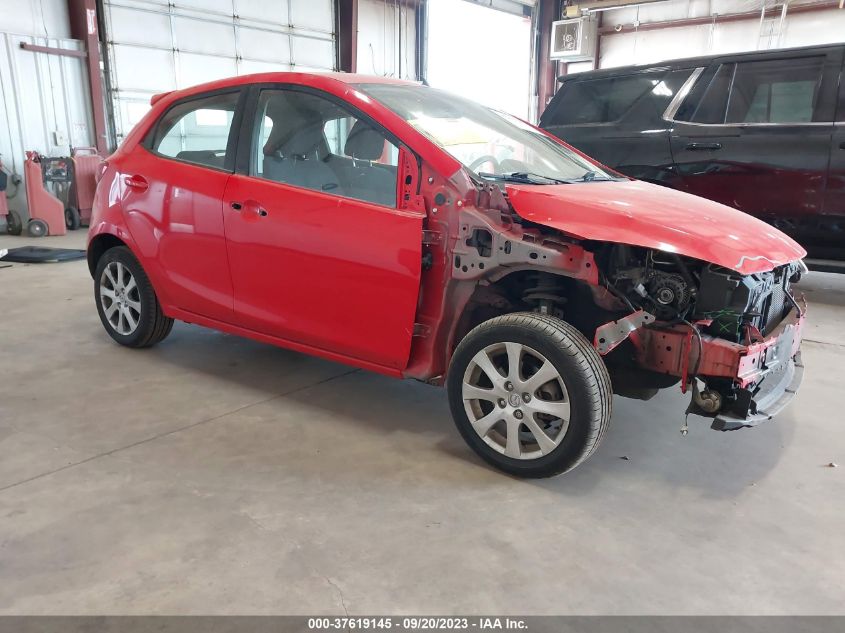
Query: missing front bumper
755	381
769	398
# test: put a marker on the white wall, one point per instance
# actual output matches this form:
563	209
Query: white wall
45	18
800	29
380	27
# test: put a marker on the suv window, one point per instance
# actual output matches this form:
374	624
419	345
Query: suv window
312	142
775	91
711	108
601	100
766	91
197	131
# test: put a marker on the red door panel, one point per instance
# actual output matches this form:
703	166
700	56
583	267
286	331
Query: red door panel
330	272
174	212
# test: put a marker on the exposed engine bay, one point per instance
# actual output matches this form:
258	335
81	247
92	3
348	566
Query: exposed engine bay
721	302
711	301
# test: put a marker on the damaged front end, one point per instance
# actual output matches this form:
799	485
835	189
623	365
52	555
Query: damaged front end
739	335
699	311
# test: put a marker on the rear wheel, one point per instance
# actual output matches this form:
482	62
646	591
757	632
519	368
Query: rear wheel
72	219
37	228
14	226
529	394
126	301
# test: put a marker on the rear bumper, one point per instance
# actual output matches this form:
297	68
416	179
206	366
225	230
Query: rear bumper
757	380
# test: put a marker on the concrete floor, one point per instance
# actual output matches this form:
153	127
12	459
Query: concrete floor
216	475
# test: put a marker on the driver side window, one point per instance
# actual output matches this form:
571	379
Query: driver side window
310	141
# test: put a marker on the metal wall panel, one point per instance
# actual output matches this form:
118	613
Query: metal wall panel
154	46
42	94
647	46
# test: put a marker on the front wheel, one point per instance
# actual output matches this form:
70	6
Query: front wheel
529	394
126	301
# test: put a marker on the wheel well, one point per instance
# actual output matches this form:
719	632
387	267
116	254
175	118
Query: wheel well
98	246
533	291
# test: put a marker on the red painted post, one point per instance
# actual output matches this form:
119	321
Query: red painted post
347	35
548	12
83	26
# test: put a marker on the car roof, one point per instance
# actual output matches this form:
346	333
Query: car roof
687	62
302	78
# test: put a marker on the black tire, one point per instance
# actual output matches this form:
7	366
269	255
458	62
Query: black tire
152	324
72	218
579	366
14	226
37	228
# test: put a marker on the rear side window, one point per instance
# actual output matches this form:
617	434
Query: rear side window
600	100
197	131
766	91
775	91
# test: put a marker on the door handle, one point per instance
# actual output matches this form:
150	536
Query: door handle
250	208
704	146
137	183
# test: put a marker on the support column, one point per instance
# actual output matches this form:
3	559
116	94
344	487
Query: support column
547	12
421	41
83	26
347	35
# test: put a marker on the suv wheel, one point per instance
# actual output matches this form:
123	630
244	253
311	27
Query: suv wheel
529	394
126	301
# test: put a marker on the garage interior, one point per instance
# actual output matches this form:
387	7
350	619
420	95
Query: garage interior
213	474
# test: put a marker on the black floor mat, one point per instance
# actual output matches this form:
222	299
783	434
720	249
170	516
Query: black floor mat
42	254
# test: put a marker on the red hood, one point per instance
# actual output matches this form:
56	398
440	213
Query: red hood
642	214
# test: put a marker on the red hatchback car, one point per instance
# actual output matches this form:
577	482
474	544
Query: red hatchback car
408	231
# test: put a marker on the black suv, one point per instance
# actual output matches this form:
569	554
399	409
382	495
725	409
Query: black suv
763	132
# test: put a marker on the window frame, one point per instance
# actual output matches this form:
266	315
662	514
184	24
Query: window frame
231	141
250	129
828	85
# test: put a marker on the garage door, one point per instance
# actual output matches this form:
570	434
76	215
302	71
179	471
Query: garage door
488	61
158	46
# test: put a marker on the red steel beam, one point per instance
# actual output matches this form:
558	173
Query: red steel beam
547	12
347	35
83	26
717	19
51	50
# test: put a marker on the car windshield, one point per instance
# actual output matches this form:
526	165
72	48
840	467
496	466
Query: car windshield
491	144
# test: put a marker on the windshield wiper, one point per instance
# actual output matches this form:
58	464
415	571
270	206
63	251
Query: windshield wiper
523	177
590	176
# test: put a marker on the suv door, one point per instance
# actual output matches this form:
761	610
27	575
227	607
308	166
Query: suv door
319	251
172	189
618	119
831	242
755	134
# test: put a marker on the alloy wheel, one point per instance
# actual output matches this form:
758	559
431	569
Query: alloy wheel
516	400
120	298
